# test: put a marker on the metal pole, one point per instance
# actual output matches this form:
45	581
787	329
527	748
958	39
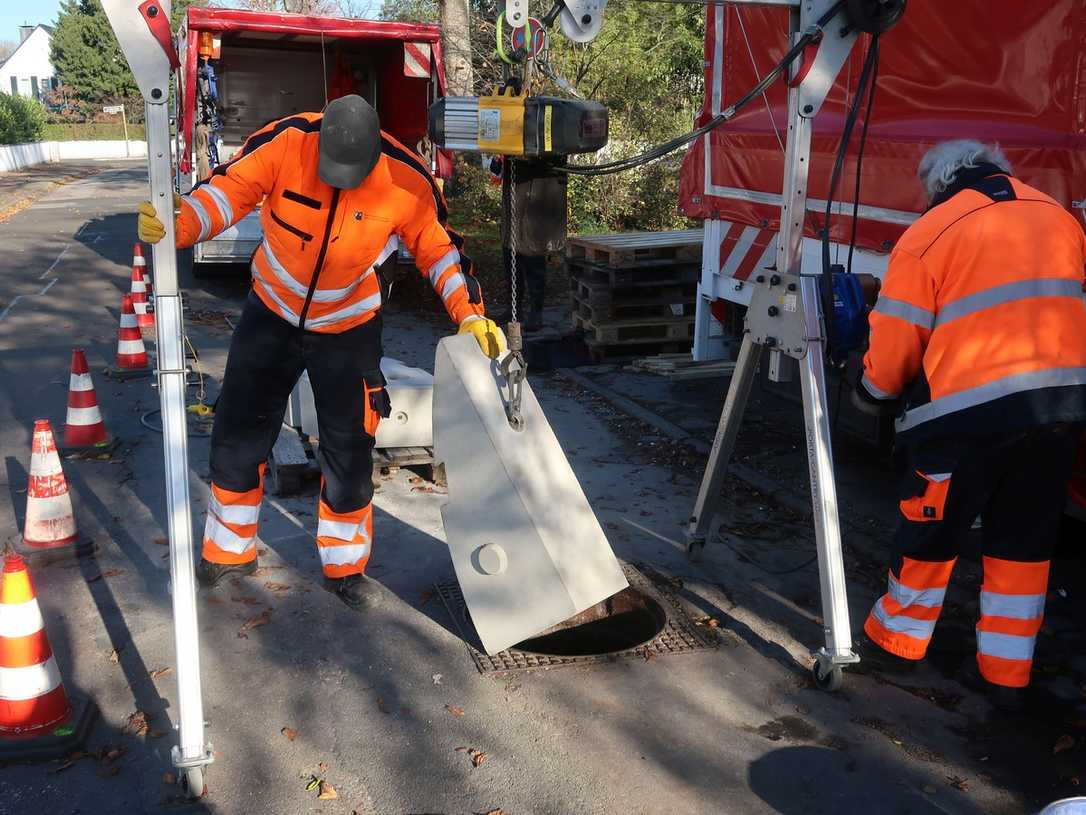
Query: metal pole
731	417
171	388
124	124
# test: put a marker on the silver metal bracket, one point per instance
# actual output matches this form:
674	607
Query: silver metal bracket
829	55
775	315
516	13
581	20
188	763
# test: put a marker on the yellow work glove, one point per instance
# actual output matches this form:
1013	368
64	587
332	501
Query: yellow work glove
148	225
486	332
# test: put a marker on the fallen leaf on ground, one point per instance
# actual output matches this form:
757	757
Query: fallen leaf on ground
66	765
478	757
110	771
115	655
261	551
158	673
322	767
169	778
958	783
262	571
326	791
263	618
137	724
270	586
498	811
94	578
290	733
1064	742
706	622
381	706
436	678
454	710
648	654
112	572
161	542
247	601
425	597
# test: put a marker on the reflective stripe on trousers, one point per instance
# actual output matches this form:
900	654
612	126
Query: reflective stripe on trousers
1012	605
344	540
232	519
903	620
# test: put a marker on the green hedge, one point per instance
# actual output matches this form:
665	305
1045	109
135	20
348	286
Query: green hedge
21	120
92	131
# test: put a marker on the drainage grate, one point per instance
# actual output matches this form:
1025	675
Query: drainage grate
679	635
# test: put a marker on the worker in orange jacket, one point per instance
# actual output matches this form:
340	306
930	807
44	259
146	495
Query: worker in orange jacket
339	196
978	340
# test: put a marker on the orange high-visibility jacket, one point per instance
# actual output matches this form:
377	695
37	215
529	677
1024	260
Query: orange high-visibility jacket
316	266
981	321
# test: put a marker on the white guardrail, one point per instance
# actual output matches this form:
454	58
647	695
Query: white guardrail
17	156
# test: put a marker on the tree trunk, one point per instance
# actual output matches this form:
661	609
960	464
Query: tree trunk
456	43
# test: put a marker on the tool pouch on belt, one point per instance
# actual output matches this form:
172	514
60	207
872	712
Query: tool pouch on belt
923	497
378	404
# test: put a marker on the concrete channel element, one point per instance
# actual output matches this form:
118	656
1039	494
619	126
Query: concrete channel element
527	548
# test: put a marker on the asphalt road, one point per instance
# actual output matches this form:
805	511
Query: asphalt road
736	729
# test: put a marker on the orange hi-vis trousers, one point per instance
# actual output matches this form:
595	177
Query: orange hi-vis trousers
1018	487
267	355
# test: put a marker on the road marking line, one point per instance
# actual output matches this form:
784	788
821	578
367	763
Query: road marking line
11	305
286	514
63	252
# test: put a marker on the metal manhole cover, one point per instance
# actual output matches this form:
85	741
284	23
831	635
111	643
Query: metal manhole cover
679	635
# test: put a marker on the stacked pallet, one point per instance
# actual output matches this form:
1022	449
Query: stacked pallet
634	293
681	367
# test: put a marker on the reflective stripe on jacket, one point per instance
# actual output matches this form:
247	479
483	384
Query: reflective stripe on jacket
981	321
316	266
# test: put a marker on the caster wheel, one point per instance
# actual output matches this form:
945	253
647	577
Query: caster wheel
192	782
830	679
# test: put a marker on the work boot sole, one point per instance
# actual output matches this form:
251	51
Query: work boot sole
238	570
368	601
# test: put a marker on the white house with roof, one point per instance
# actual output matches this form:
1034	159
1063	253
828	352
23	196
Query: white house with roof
28	71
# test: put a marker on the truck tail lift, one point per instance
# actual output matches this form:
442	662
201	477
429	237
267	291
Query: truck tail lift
799	314
143	31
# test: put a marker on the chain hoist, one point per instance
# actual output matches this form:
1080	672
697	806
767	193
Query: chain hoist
513	367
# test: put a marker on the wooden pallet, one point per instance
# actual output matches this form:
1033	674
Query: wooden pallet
630	332
667	273
681	367
601	353
624	248
636	308
604	294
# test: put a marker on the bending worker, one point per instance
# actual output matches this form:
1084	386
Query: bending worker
979	340
339	194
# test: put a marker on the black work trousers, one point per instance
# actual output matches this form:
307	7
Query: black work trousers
267	355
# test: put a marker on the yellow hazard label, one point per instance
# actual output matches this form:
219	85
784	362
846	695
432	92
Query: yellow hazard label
547	117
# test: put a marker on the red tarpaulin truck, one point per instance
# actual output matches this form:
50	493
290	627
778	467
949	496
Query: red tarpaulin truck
269	65
994	70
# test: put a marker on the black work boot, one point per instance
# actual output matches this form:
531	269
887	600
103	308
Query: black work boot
875	658
209	574
357	591
1004	699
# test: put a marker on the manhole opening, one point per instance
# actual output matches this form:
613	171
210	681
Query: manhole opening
627	620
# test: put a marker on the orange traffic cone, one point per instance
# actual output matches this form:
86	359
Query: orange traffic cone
50	522
32	697
139	299
37	718
131	355
84	426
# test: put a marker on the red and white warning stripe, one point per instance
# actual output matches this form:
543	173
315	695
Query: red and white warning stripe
139	298
744	249
416	59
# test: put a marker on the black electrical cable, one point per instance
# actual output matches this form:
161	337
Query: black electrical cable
662	150
860	155
866	74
